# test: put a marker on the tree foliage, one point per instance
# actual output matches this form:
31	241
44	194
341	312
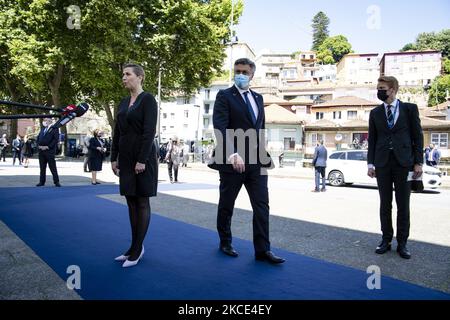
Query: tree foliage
431	41
320	25
42	60
333	49
438	91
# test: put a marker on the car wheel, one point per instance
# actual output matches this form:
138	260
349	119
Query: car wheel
336	178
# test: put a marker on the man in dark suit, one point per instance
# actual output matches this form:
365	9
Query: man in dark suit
241	159
47	141
395	148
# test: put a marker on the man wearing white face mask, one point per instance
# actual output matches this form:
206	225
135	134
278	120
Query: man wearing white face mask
47	141
240	159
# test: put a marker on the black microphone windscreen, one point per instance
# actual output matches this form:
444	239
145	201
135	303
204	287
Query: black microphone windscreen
81	109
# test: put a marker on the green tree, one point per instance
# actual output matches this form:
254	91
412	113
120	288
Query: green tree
446	65
438	90
57	64
432	41
333	49
320	25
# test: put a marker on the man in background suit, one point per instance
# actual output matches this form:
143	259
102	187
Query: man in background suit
47	141
395	148
320	163
241	159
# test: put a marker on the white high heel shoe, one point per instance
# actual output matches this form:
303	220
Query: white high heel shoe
129	263
121	258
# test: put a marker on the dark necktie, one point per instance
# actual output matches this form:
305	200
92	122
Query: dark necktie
249	106
390	117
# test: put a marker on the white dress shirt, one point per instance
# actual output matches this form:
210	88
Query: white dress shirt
251	99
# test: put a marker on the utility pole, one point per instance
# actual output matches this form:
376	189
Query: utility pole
231	43
158	126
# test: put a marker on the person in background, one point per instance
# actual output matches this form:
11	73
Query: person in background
47	142
173	159
27	151
3	145
96	154
320	163
17	149
86	152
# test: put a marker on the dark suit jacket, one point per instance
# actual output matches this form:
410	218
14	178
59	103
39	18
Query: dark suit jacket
405	138
49	139
231	112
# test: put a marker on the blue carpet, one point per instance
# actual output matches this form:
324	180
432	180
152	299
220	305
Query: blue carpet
73	226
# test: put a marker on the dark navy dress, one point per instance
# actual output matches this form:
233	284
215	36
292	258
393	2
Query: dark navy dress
133	141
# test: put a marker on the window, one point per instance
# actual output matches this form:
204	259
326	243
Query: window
207	92
187	100
185	126
206	122
338	155
164	128
186	113
337	115
352	115
319	115
317	137
171	127
311	56
440	139
207	108
289	143
358	156
413	58
172	116
164	115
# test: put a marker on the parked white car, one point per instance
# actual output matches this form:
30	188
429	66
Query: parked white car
350	166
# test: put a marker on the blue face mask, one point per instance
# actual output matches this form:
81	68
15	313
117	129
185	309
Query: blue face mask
242	81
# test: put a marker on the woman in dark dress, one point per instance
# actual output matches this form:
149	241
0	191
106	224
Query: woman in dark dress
96	154
134	159
27	151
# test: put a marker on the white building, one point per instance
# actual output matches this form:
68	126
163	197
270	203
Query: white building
358	69
268	68
180	118
237	51
412	68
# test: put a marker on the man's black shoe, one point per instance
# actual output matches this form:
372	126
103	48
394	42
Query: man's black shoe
57	184
403	252
228	250
383	247
269	256
40	184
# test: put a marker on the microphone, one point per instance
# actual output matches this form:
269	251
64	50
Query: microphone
69	113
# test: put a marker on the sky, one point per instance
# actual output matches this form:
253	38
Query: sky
371	26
